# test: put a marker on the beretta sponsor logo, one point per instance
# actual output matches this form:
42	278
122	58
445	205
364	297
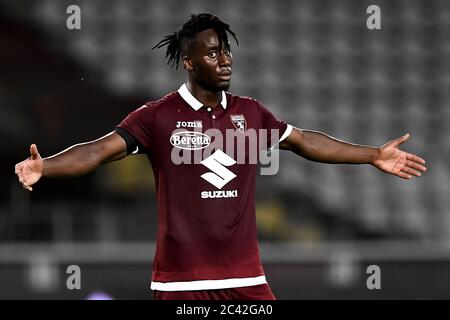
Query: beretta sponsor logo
190	140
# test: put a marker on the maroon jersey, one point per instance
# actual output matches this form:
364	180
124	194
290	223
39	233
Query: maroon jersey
207	230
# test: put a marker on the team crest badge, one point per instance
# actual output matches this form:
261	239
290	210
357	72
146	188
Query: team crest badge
239	122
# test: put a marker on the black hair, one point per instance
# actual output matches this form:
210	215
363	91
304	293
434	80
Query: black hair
177	41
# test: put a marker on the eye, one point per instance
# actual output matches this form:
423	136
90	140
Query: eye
212	54
227	52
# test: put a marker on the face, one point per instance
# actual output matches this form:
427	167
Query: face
209	61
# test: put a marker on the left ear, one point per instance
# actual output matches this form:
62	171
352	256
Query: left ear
187	63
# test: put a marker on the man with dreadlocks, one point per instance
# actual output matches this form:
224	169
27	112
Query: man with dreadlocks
207	244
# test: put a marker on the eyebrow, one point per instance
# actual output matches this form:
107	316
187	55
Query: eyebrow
217	47
213	47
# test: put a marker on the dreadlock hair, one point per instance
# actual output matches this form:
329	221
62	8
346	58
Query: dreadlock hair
177	41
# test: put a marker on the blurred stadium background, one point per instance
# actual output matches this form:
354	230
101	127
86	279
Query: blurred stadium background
314	63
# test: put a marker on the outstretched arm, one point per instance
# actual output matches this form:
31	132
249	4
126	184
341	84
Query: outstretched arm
317	146
75	161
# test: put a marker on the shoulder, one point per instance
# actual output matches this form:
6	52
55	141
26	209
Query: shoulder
167	101
148	112
251	104
243	100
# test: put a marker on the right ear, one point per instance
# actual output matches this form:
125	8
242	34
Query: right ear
187	63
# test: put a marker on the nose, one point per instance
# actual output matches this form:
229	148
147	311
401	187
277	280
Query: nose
225	60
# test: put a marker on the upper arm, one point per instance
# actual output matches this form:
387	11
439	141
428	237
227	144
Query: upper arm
138	128
277	129
110	147
293	141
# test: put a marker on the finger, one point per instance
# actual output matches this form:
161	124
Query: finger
411	171
18	165
415	158
415	165
23	178
400	140
27	187
403	175
22	181
19	168
24	184
34	152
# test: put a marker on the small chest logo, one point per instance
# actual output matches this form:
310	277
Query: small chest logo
189	124
239	122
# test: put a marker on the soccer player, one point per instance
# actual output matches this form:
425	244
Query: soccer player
207	242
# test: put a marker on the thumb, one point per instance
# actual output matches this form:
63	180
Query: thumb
400	140
34	152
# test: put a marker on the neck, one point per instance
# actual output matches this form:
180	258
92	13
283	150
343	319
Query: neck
207	96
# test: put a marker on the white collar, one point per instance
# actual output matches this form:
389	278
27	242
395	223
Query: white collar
193	102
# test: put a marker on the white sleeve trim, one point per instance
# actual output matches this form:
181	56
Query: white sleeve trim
286	133
208	284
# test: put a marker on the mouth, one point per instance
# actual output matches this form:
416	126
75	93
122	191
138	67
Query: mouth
225	75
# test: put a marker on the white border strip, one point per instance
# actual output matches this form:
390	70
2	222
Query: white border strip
286	133
193	102
208	284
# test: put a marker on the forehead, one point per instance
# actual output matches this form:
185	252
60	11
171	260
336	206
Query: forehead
206	39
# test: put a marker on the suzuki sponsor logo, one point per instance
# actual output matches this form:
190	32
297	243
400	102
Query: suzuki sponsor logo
219	194
217	163
220	175
190	140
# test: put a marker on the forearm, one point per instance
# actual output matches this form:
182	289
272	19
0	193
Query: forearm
317	146
77	160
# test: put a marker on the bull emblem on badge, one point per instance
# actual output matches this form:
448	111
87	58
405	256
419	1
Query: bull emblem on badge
239	122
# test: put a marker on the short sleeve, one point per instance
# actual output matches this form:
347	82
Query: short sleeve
139	124
277	130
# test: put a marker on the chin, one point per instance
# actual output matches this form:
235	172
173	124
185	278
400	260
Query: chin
224	86
218	86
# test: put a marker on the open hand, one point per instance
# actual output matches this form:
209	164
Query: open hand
397	162
30	170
